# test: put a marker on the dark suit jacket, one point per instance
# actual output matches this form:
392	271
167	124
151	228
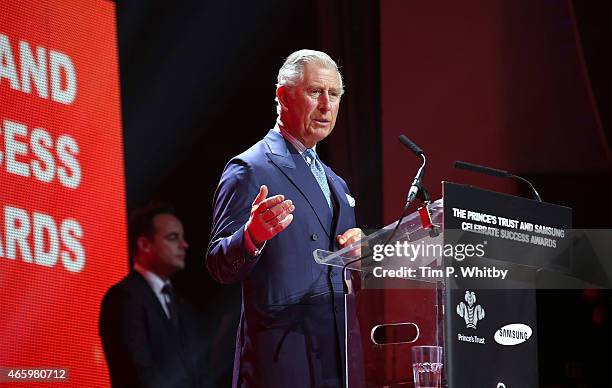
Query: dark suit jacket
291	331
142	347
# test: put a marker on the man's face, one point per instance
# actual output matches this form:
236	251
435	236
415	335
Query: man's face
310	108
166	250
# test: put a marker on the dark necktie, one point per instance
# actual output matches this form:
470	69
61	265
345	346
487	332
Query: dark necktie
170	298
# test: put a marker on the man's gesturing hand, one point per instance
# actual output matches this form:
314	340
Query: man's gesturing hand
349	237
269	216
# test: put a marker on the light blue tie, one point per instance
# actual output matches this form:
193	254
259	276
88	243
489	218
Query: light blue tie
319	174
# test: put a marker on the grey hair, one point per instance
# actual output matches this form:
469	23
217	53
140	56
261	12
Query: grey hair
292	70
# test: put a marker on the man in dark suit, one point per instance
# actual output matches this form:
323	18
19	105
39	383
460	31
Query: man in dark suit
275	204
151	337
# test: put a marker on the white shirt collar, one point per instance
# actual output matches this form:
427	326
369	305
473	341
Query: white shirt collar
155	282
293	140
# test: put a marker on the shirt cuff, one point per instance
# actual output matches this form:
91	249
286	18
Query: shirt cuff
250	245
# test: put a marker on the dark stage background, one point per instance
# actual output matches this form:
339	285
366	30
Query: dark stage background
518	85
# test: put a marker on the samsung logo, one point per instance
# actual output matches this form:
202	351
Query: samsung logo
513	334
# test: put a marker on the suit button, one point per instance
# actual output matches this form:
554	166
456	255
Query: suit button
336	308
314	237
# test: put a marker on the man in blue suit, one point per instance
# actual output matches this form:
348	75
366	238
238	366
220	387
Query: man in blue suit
275	204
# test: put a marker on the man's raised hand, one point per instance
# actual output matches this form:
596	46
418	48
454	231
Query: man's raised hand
269	216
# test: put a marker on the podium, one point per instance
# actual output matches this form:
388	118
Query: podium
461	273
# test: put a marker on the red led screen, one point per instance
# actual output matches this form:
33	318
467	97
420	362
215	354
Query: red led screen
62	195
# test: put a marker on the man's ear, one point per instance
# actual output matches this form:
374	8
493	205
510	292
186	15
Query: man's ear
282	94
144	245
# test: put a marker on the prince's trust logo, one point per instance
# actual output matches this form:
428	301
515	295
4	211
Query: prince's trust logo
472	313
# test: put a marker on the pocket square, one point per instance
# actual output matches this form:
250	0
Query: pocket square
350	200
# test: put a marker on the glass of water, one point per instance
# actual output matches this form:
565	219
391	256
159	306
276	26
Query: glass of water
427	366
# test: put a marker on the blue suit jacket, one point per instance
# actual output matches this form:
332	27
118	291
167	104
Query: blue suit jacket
291	330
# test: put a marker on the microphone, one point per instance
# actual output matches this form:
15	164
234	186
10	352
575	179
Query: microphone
417	182
495	172
410	145
414	190
481	169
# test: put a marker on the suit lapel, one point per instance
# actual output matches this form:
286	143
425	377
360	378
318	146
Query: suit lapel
152	298
170	330
293	166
